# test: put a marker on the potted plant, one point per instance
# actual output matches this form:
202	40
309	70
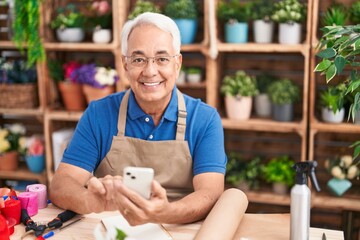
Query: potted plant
263	25
185	15
289	14
342	170
142	6
12	142
239	90
71	91
243	174
101	21
97	81
283	94
335	15
354	13
280	173
34	156
262	100
235	15
332	103
193	75
69	24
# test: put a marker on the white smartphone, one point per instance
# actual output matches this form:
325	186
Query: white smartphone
139	179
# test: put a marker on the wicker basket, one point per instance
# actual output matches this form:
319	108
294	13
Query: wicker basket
18	95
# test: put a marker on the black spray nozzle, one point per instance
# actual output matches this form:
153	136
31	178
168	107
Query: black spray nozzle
303	169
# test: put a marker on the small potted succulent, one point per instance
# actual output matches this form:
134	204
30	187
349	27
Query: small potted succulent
193	75
142	6
332	103
263	25
283	94
335	15
289	14
185	15
235	16
69	24
239	90
280	173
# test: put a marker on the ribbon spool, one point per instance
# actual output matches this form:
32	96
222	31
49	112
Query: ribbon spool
11	223
29	201
12	209
4	231
41	191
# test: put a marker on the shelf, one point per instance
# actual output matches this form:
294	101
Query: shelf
268	198
192	47
340	203
268	125
265	48
22	112
335	127
63	115
199	85
86	47
8	45
23	174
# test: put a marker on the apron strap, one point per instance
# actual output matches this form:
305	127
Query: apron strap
181	121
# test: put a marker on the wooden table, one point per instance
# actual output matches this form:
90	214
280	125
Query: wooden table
253	226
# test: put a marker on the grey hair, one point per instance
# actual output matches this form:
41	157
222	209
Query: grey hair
158	20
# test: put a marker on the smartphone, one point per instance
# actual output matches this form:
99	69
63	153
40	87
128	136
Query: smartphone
139	179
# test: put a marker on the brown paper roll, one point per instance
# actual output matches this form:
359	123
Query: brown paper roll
225	217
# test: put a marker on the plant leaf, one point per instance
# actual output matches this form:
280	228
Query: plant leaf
330	73
323	65
327	53
340	62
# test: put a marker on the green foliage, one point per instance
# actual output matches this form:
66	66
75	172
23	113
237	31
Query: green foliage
356	146
120	235
193	70
335	15
339	47
233	10
279	170
143	6
240	84
289	11
355	13
181	9
68	17
263	82
56	70
26	30
238	171
283	91
333	97
262	9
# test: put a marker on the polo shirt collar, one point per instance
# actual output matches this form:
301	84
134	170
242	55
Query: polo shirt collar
135	112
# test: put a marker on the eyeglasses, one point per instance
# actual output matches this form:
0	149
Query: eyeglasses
141	61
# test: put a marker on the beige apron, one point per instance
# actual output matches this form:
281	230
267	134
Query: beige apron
171	159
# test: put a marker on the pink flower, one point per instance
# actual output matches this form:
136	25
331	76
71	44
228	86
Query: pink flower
101	7
35	146
69	68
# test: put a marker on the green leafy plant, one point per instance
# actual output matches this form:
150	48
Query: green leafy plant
143	6
333	97
241	84
233	11
26	30
355	13
263	82
68	17
283	91
339	47
181	9
335	15
287	11
12	138
262	9
193	70
279	170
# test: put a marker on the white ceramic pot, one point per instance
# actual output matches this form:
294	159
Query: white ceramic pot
289	33
262	105
193	77
238	108
70	34
101	35
357	117
263	31
329	116
182	77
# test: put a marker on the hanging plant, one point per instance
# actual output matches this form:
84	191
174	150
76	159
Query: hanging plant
26	29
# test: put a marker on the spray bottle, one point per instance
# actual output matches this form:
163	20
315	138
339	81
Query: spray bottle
300	200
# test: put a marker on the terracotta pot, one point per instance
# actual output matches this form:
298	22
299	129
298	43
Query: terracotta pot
93	93
72	96
9	161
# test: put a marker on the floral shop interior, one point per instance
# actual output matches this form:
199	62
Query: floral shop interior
58	55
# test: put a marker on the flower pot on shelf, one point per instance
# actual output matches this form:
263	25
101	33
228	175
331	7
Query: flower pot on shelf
263	31
92	93
70	34
238	108
101	35
188	29
289	33
35	163
262	105
280	188
329	116
9	161
339	186
236	32
282	112
72	96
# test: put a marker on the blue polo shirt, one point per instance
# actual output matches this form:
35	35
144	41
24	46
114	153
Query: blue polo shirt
94	132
